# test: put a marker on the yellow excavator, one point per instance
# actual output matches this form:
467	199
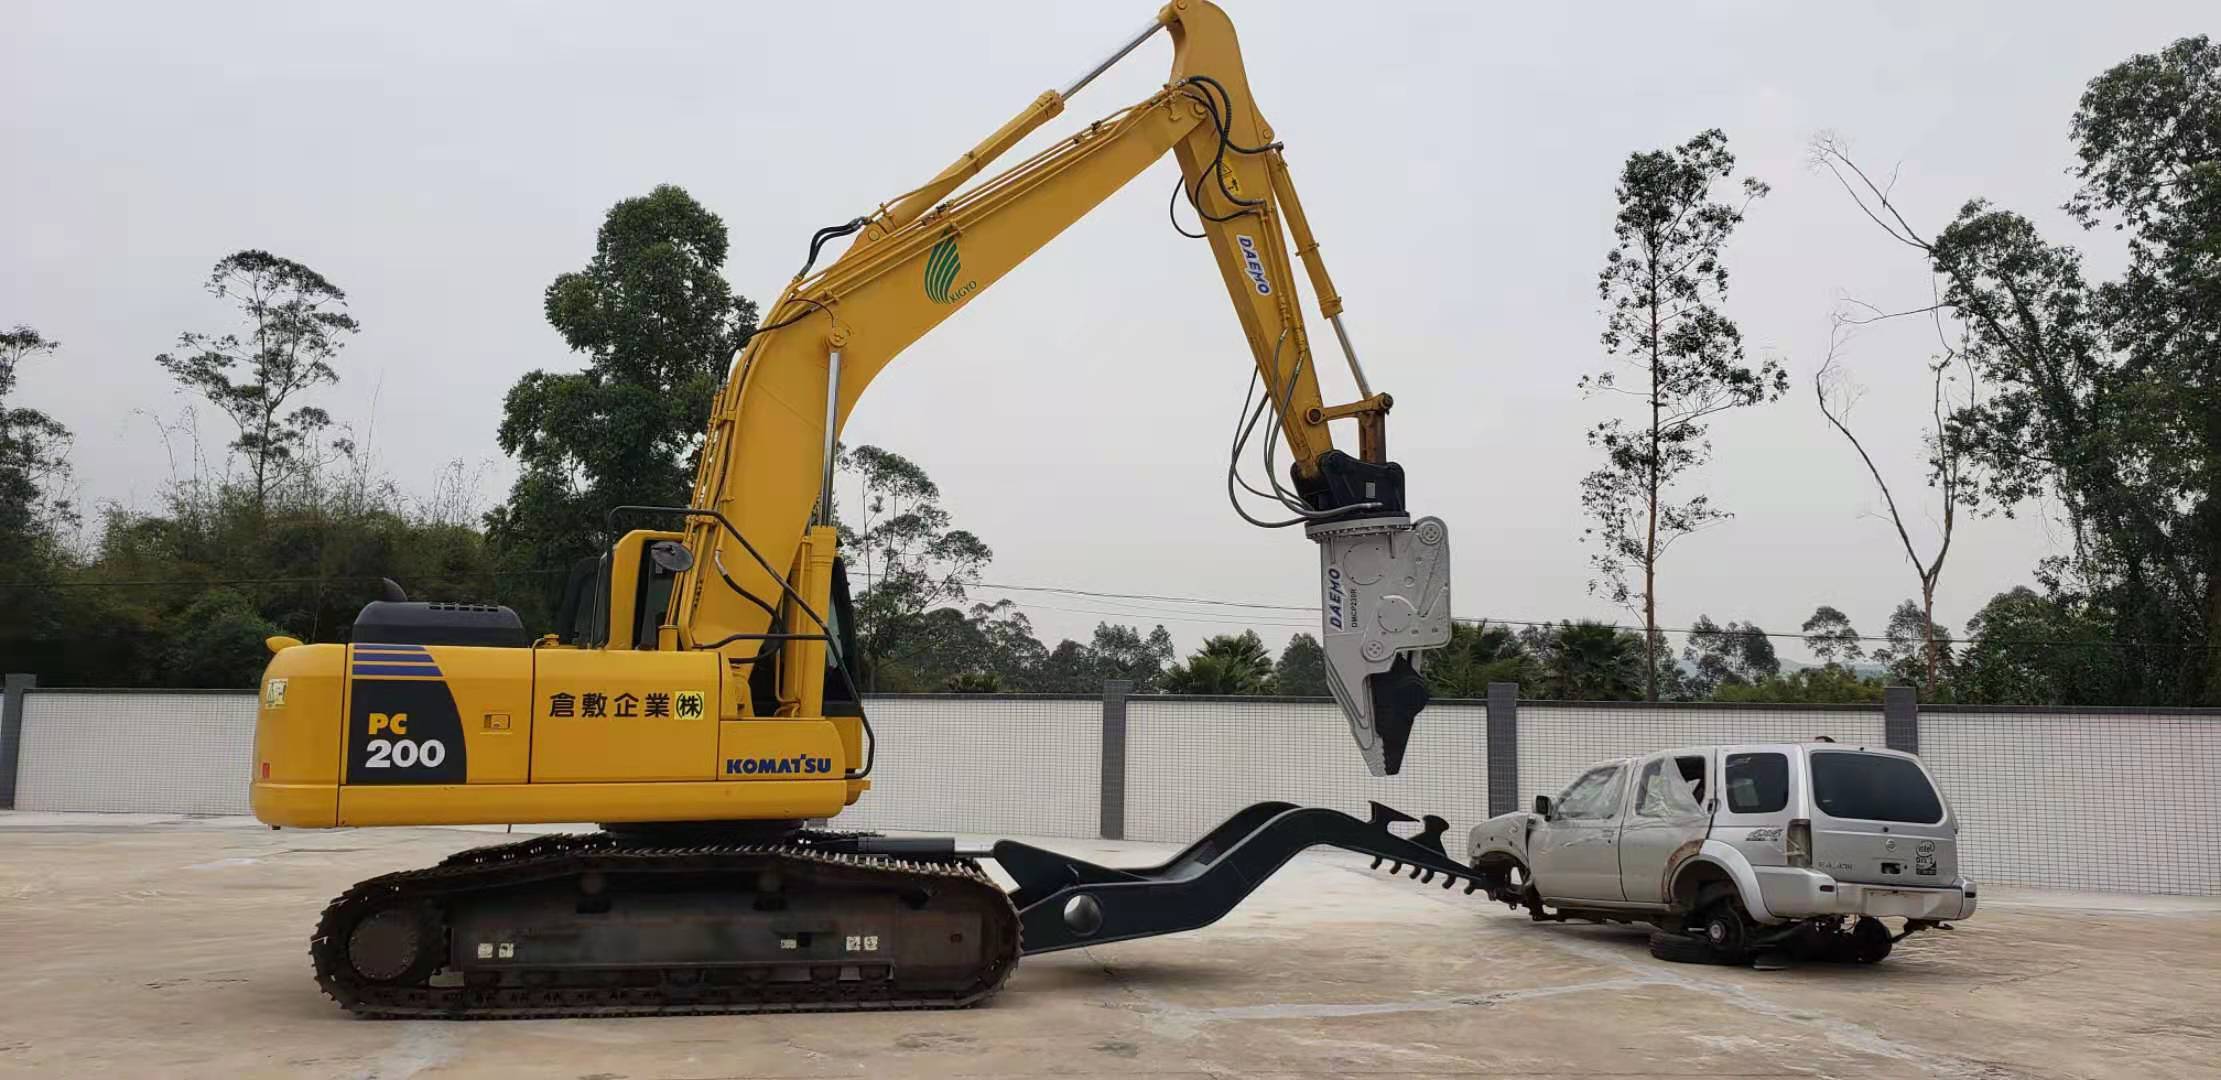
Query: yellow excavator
699	702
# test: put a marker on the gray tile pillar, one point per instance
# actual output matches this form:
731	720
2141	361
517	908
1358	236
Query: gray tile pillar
1113	793
1901	719
1503	748
11	734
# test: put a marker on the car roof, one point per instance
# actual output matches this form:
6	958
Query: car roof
1766	747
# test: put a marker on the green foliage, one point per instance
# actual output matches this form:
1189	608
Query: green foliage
659	327
1905	652
1587	661
1831	684
293	325
216	642
1477	655
1226	664
1831	637
1664	281
1301	671
2025	648
34	509
973	682
936	646
1738	654
2108	398
1114	652
910	555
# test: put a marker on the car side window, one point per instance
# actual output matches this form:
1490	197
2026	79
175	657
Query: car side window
1756	783
1662	793
1593	797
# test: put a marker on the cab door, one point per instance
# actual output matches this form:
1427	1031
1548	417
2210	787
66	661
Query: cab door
1665	816
1576	851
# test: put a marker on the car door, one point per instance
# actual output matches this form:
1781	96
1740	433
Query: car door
1575	852
1664	816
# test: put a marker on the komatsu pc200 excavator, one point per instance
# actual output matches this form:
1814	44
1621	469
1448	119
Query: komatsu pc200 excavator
699	702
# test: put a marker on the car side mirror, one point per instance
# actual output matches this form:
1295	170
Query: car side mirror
1542	805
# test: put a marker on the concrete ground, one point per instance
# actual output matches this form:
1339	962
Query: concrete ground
138	946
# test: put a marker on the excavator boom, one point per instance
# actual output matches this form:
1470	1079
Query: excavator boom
925	255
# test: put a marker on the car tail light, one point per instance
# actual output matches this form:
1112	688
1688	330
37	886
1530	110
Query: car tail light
1797	843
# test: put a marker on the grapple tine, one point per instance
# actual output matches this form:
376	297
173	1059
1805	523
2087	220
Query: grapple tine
1383	815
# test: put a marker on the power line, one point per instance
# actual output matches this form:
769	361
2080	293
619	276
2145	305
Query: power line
1133	599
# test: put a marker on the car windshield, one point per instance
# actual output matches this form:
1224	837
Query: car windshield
1873	787
1756	783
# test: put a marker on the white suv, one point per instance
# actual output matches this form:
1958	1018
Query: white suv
1732	849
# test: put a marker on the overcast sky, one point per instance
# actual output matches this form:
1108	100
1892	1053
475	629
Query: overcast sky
443	162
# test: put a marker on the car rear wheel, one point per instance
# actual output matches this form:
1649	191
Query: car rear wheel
1719	933
1726	930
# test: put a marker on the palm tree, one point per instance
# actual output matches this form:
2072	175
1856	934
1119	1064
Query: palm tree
1593	661
1226	664
1477	655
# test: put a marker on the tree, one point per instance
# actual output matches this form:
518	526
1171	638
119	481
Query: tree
1832	684
1664	281
906	549
1589	661
973	682
991	641
2025	648
1301	671
1830	636
34	464
1477	655
659	327
34	458
1738	654
1123	652
217	641
294	326
2107	399
1912	641
1114	652
1226	664
1955	388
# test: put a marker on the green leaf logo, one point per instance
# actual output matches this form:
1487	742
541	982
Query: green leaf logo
941	267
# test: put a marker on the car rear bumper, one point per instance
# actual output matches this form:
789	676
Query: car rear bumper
1791	893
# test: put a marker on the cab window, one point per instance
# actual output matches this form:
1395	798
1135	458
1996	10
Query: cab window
1756	783
1595	796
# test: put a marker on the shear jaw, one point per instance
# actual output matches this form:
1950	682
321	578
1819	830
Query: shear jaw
1384	601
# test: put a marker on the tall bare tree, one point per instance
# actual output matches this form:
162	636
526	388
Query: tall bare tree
1954	387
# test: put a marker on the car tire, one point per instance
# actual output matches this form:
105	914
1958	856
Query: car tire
1870	941
1676	948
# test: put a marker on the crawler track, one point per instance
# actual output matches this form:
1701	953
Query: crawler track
596	925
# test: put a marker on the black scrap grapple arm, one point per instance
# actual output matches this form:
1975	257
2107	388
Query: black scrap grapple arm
1065	902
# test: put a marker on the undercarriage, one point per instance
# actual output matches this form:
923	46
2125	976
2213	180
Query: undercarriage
636	923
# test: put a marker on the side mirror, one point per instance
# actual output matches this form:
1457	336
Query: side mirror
1542	805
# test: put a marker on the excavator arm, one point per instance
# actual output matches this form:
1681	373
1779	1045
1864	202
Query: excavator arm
759	587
